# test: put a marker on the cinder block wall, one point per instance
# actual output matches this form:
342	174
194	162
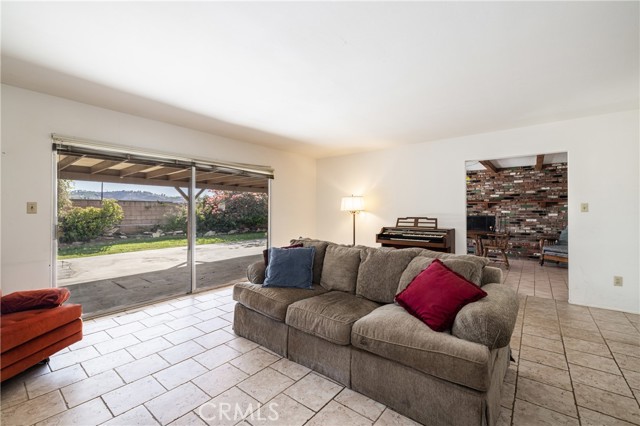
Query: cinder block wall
526	203
139	216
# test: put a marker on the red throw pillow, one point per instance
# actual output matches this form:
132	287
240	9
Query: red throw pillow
437	294
33	299
265	252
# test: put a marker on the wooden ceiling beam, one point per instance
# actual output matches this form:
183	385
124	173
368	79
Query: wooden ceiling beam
103	165
68	161
206	176
162	172
489	166
180	175
228	177
136	168
82	175
539	162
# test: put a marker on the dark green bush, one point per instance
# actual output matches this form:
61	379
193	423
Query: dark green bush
87	223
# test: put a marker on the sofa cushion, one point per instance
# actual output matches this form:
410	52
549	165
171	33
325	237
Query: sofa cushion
318	259
33	299
41	342
393	333
340	269
469	270
19	327
272	302
329	316
557	250
481	262
437	294
490	320
290	267
380	272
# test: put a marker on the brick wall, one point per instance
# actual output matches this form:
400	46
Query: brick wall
526	203
139	216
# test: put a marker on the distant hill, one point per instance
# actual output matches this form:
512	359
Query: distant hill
78	194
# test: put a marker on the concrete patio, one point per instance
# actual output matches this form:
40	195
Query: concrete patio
112	282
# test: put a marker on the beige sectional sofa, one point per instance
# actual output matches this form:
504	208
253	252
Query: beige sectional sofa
348	328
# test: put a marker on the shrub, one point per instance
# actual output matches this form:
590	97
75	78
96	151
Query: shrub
176	220
84	224
224	211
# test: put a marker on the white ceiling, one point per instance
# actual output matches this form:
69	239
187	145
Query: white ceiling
524	161
329	78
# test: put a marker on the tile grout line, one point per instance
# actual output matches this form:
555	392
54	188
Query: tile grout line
606	342
515	385
566	358
538	405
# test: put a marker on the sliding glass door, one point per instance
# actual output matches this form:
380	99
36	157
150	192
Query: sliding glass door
133	228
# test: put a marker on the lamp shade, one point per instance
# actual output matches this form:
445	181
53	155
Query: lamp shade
352	204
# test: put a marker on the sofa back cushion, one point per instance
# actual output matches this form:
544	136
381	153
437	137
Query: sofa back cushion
340	268
318	260
380	272
469	270
563	239
480	262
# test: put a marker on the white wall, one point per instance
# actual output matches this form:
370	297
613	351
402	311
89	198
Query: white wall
428	179
28	119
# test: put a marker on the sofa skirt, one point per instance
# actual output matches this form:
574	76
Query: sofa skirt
330	359
424	398
261	329
419	396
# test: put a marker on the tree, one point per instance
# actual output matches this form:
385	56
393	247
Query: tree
64	197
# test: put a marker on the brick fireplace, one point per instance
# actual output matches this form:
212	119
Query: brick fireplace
526	202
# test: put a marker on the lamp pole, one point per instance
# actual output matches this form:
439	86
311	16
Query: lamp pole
354	205
353	214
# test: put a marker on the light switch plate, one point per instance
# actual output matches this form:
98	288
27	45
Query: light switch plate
617	281
584	207
32	207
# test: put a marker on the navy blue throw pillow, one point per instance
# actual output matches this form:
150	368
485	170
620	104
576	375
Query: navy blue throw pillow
291	268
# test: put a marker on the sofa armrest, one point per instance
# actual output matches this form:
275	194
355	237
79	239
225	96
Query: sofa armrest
255	272
490	320
491	274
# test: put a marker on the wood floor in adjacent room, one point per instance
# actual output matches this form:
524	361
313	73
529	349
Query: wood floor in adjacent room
158	364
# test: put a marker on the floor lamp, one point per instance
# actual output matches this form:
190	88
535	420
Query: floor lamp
354	205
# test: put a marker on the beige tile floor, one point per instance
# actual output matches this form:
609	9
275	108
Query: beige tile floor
161	363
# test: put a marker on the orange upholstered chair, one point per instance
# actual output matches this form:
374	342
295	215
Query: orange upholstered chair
33	326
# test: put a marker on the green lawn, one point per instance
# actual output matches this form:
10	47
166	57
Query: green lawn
127	246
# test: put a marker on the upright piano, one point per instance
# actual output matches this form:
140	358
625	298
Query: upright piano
422	232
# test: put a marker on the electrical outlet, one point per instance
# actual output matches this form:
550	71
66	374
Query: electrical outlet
584	207
32	207
617	281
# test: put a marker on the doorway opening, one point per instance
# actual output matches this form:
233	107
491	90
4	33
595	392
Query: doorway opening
516	207
133	229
